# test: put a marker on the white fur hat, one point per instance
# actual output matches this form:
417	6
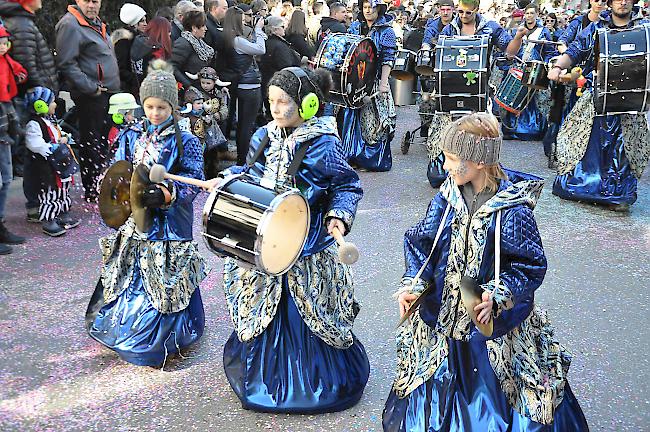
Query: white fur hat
131	14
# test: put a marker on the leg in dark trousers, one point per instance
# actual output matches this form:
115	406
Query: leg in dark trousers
93	148
249	101
232	109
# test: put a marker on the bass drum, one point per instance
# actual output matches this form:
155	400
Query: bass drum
252	223
352	60
622	78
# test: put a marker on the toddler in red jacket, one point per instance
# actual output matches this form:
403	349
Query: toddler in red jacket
10	69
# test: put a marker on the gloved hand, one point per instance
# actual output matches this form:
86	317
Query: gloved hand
154	196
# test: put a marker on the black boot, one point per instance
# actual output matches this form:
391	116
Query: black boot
7	237
53	229
5	249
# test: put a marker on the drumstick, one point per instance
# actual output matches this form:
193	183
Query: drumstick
348	252
158	173
544	42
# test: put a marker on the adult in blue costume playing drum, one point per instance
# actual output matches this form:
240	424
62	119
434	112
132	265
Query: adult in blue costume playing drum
147	303
292	349
476	353
600	157
368	131
468	23
530	124
566	97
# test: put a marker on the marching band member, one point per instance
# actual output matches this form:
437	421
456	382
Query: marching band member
603	168
368	131
468	22
565	101
530	125
450	376
147	303
293	349
446	9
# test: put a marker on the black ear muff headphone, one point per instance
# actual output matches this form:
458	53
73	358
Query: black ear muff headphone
309	104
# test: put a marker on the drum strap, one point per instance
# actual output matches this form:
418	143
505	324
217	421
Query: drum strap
260	149
298	156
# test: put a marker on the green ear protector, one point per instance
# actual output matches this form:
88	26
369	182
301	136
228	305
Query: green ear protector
309	104
118	118
41	107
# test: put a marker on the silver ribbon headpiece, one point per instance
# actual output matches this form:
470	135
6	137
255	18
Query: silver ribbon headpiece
469	146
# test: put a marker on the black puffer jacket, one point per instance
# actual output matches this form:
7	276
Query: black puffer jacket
185	59
29	48
122	41
279	55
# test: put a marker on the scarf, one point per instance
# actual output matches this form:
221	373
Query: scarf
202	49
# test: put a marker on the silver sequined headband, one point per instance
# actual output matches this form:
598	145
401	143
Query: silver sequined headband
469	146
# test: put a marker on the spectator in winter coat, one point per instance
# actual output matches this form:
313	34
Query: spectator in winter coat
87	63
215	11
335	23
190	53
135	19
181	8
296	34
155	43
279	55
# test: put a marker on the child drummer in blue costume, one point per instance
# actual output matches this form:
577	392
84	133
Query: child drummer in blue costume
368	131
451	376
293	349
147	303
530	125
600	158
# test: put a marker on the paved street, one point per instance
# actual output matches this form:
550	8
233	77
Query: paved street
54	377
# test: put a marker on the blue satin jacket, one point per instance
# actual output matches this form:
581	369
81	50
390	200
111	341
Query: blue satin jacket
432	30
523	263
383	35
500	37
581	50
575	27
331	186
175	221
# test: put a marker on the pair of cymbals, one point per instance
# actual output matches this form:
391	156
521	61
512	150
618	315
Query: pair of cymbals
120	196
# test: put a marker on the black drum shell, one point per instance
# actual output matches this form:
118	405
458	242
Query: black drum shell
404	67
535	75
622	79
455	93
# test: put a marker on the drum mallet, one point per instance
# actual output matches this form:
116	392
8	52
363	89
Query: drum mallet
348	252
158	173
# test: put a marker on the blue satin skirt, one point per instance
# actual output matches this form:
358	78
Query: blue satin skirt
529	126
372	157
139	333
603	176
465	395
435	172
288	369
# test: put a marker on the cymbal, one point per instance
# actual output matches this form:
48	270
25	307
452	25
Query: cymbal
142	216
471	296
114	194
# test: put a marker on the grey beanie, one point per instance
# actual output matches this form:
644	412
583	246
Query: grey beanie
160	83
295	87
470	147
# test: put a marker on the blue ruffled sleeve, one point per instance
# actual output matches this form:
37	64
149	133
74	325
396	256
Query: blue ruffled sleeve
387	46
581	48
191	165
571	31
500	36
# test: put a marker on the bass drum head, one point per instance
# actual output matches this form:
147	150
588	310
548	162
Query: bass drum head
359	81
284	232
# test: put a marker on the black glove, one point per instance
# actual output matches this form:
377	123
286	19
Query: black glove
153	196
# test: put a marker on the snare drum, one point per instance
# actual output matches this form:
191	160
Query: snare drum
622	78
404	68
535	75
512	95
424	62
252	223
352	60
